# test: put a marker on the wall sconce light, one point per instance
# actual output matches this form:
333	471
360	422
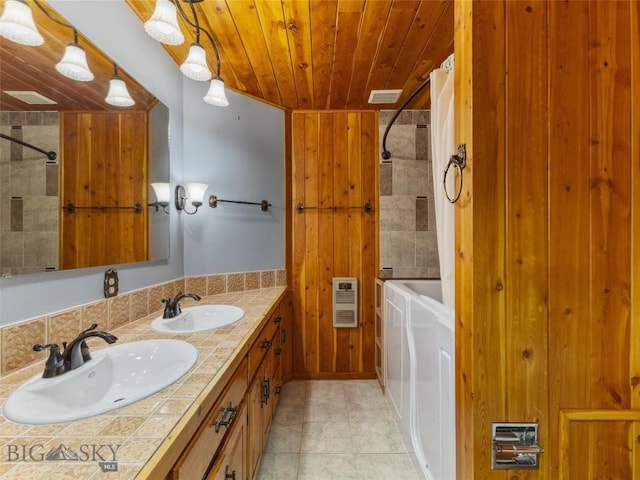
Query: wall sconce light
118	94
163	194
194	191
17	25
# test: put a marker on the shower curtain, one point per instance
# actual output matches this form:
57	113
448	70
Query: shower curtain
442	145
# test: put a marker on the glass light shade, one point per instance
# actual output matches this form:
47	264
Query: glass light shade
162	191
74	64
196	192
118	96
215	95
163	24
195	66
17	25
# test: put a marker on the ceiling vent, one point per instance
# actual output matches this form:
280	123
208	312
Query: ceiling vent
30	97
384	96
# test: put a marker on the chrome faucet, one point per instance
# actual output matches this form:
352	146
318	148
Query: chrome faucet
172	308
76	353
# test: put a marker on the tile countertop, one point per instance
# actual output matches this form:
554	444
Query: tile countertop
145	430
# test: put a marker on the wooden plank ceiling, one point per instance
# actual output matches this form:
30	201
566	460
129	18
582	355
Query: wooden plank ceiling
33	68
321	54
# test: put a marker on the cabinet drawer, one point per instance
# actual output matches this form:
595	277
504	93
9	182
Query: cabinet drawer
195	460
261	346
231	462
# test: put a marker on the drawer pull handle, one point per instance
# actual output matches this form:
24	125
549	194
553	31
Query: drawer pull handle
283	335
278	389
265	392
265	344
229	476
277	319
278	351
226	419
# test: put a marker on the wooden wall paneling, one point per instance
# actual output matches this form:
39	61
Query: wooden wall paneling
326	245
634	363
569	285
610	230
297	251
297	17
355	242
634	356
97	179
341	252
370	267
84	239
526	217
311	233
67	189
112	161
489	230
464	308
334	163
136	125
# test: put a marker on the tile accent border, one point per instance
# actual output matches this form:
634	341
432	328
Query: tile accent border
17	339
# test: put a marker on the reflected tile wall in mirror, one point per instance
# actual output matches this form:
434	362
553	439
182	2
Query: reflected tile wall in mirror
29	202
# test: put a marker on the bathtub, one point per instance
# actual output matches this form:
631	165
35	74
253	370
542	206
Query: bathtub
419	373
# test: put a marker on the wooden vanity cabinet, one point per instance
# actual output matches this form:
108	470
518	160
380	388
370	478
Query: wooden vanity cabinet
262	392
199	454
231	463
223	449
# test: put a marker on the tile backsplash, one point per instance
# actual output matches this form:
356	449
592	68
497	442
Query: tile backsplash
17	340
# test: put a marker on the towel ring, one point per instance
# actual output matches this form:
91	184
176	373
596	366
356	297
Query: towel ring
459	161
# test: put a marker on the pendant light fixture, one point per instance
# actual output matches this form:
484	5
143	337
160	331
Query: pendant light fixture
163	24
74	62
195	66
118	95
17	25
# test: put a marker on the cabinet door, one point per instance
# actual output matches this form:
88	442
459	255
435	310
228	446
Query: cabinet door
254	440
231	463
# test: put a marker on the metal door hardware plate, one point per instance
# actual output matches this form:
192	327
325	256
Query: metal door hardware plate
515	446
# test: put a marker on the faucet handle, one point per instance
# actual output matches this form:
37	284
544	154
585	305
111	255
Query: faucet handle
55	361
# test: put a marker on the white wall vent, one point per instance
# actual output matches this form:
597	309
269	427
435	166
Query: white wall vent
30	97
384	96
345	302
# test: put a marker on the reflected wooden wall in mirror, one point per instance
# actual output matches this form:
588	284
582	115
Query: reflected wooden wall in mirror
106	157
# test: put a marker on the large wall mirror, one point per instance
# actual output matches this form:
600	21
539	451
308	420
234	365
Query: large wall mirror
91	203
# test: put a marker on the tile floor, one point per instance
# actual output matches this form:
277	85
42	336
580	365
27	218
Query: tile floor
330	429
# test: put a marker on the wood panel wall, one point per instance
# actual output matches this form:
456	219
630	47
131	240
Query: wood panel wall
104	163
334	163
548	266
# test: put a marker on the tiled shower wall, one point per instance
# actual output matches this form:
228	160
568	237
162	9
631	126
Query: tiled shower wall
29	212
408	244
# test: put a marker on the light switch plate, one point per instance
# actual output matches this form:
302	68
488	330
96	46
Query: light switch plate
110	283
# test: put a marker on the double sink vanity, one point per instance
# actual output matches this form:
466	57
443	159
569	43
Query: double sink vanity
185	397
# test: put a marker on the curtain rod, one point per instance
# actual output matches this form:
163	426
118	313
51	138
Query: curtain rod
51	155
386	154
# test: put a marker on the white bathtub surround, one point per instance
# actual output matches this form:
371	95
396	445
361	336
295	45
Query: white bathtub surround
442	144
419	373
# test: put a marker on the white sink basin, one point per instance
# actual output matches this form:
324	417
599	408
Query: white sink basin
114	377
198	319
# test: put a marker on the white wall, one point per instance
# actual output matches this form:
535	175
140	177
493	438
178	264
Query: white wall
33	295
239	152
